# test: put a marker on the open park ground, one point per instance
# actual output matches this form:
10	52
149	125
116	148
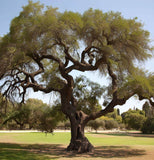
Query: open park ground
108	146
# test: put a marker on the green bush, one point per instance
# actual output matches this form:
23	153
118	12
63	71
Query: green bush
134	119
96	124
111	124
148	126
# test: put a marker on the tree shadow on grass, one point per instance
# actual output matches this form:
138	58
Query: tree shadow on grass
117	151
109	134
10	151
126	134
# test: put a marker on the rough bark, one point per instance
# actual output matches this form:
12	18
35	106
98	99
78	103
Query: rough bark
78	141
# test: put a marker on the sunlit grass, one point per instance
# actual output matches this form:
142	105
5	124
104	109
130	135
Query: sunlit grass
102	139
41	138
64	138
39	146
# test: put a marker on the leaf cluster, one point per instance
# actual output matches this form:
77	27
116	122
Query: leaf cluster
88	94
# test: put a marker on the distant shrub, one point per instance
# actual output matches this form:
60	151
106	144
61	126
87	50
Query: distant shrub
111	124
134	119
96	124
148	126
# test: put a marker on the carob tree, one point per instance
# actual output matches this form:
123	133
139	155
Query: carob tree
45	46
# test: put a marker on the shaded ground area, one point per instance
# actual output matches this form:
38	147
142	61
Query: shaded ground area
10	151
38	146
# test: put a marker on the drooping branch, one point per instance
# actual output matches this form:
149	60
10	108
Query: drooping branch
21	80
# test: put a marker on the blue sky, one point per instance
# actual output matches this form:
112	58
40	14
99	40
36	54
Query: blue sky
143	9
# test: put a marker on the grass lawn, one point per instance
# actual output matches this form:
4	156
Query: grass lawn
39	146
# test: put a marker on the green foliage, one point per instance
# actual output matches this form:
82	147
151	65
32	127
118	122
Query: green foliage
64	124
134	119
46	122
149	110
37	29
115	115
130	40
43	117
20	115
88	94
139	82
34	114
111	124
110	43
96	124
148	126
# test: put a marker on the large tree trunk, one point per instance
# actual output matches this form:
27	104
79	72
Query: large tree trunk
78	141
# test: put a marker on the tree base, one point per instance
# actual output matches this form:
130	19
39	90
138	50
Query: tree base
81	146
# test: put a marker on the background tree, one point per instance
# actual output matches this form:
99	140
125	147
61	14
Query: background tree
115	115
112	120
111	124
134	119
148	125
44	47
96	124
20	115
149	110
4	109
37	109
24	115
34	114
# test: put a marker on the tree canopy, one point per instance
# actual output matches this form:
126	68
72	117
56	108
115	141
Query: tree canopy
48	43
45	46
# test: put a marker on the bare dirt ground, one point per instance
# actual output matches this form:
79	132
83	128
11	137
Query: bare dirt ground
107	153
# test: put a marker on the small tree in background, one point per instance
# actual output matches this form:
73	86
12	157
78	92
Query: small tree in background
148	125
20	115
115	115
25	115
134	119
111	124
148	109
96	124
